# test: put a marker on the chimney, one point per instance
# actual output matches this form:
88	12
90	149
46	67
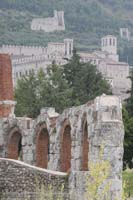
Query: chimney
7	102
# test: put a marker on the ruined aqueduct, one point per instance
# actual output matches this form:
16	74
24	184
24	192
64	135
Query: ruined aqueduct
66	143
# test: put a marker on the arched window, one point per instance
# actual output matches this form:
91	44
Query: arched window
15	145
66	147
42	148
85	148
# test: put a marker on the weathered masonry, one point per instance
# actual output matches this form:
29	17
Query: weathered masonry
68	143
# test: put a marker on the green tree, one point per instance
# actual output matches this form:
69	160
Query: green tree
26	97
128	123
61	93
37	91
128	140
62	87
86	81
129	105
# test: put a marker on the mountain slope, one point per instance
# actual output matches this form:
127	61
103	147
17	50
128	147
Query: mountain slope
86	20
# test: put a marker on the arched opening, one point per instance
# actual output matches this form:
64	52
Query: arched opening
42	148
66	148
15	146
85	148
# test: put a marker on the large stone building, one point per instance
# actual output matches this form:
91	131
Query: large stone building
27	59
107	62
32	58
50	24
67	142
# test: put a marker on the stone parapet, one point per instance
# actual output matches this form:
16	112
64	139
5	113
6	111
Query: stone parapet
19	180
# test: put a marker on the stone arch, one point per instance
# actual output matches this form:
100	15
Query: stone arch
85	147
42	146
15	144
66	146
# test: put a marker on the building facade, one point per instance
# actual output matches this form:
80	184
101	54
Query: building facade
107	62
26	59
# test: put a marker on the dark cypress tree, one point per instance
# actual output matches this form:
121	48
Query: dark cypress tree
86	81
128	123
129	105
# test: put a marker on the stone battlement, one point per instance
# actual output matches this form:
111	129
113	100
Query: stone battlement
57	48
34	59
22	50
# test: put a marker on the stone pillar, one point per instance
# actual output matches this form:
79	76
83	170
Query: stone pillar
109	133
106	136
6	86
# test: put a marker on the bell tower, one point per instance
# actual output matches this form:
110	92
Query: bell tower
109	46
7	102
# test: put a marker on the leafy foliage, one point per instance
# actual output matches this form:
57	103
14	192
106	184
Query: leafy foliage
86	81
128	123
129	105
128	142
99	173
26	95
62	87
99	183
35	92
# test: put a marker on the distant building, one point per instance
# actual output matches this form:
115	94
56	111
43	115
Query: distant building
124	33
26	59
107	62
50	24
109	47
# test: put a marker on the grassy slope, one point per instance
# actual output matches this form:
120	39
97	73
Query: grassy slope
86	20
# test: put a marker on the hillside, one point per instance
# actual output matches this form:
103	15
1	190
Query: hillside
86	20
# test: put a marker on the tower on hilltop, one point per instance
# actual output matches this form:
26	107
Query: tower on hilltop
59	16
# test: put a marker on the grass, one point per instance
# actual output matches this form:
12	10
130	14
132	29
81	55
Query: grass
128	178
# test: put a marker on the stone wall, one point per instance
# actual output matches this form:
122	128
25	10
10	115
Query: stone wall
69	142
22	181
23	50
